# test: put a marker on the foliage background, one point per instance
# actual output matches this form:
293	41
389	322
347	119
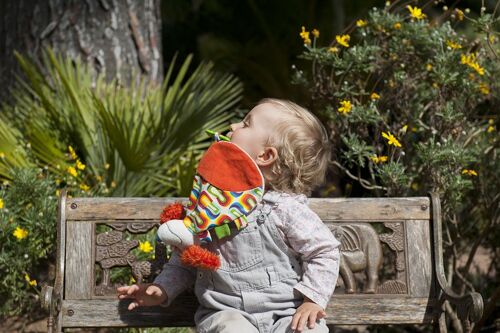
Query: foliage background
261	47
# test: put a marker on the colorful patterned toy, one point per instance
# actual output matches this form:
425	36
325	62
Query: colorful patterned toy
226	189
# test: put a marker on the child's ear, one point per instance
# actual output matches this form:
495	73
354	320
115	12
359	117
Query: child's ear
267	156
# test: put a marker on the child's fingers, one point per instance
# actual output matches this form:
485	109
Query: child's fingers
132	289
302	321
321	314
295	320
153	291
133	305
312	319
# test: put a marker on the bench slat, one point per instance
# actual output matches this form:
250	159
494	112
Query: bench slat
330	209
79	260
341	310
419	265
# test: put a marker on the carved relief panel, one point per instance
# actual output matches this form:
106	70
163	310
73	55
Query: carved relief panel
372	257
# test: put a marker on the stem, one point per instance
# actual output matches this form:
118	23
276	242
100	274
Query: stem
365	183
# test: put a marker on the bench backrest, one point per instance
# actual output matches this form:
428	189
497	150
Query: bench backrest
387	273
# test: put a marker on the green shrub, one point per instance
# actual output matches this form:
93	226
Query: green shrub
27	240
412	105
68	129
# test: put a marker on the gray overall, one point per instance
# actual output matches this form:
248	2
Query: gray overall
253	290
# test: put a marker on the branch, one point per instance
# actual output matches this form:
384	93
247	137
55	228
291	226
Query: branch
365	183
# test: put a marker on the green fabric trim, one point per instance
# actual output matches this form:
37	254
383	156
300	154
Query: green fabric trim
222	231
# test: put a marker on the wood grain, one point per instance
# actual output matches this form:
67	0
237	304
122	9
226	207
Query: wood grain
79	273
330	209
345	310
418	241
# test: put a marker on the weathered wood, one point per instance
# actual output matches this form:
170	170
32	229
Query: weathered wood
358	310
114	313
79	275
341	310
331	209
418	244
407	234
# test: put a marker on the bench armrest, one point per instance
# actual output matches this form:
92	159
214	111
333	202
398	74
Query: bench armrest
470	305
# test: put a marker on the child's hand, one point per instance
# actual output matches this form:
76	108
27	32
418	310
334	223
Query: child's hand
142	295
308	312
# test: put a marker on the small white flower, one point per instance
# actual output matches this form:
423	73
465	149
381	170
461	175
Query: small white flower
26	256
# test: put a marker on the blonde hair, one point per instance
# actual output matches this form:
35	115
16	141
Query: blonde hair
303	150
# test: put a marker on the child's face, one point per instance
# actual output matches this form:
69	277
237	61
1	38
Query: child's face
253	132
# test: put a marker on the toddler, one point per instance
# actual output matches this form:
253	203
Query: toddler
278	273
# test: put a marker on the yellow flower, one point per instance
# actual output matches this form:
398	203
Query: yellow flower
361	23
343	40
20	233
416	12
397	26
30	282
1	203
106	166
2	155
469	172
453	45
84	187
491	127
113	184
379	159
345	107
72	152
374	96
404	129
58	192
470	60
145	247
72	171
305	36
414	186
315	33
492	39
391	139
484	88
80	165
428	67
460	14
333	49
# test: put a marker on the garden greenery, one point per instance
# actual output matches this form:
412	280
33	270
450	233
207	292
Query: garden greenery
412	105
70	129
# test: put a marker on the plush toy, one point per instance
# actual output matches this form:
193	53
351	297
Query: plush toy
227	187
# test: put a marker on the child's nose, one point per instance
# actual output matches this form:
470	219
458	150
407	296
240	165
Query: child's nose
233	127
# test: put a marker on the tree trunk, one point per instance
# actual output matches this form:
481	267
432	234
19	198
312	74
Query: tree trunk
118	37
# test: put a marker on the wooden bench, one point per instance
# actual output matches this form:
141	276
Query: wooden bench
391	267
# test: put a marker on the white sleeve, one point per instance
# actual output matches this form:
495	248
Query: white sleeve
175	277
319	250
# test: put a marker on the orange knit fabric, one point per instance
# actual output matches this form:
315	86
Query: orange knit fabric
199	257
174	211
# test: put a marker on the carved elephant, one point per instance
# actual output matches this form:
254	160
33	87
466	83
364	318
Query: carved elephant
360	250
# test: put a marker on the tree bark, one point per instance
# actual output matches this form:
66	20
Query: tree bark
117	37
